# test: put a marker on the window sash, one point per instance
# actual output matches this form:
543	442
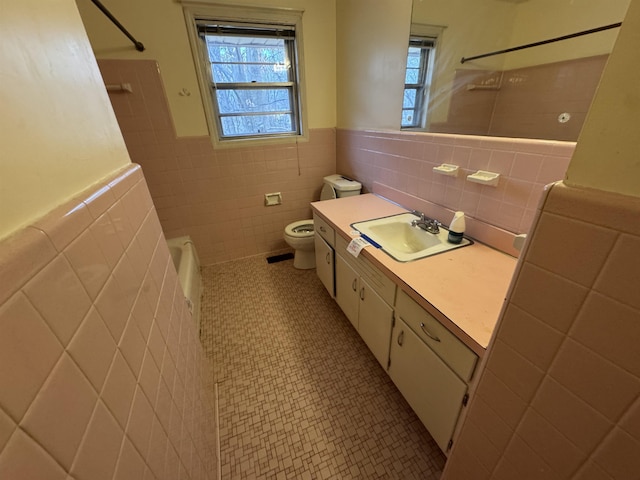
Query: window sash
413	116
292	112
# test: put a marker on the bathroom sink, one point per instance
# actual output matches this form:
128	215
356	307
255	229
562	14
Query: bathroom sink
403	242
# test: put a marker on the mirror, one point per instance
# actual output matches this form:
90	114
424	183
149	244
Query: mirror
542	92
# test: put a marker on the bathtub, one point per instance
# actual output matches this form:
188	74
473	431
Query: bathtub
185	258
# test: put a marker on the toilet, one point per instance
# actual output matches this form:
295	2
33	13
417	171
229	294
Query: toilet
300	235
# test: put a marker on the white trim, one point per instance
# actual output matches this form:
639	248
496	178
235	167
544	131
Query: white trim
245	13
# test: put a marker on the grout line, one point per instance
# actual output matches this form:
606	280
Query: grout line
216	420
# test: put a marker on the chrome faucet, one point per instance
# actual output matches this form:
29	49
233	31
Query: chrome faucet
427	224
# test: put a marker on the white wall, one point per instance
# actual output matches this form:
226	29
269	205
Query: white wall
58	133
160	26
372	39
607	156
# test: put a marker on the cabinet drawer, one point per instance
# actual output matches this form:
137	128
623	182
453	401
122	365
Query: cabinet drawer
382	284
444	343
325	231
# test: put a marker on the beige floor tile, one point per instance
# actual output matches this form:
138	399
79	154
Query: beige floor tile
300	395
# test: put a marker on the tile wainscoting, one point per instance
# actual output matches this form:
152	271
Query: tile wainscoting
560	394
405	161
215	196
102	373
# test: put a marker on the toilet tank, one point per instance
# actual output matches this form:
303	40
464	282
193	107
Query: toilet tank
337	186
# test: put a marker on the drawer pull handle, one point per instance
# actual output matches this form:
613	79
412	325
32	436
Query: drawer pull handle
362	293
353	284
322	229
328	258
401	337
429	334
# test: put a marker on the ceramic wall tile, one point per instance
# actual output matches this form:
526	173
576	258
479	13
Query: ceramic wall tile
583	417
548	296
566	258
28	352
92	348
618	455
7	426
552	447
130	463
519	375
65	223
88	262
584	426
118	389
100	447
59	415
23	255
509	206
595	379
619	279
530	337
59	297
611	329
502	400
74	327
24	458
186	173
526	461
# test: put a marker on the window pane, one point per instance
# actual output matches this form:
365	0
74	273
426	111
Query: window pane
242	59
412	76
256	124
409	100
407	118
258	100
413	57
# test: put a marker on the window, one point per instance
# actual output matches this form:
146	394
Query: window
417	81
249	74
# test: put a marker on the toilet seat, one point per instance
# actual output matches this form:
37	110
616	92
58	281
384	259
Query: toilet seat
327	192
300	229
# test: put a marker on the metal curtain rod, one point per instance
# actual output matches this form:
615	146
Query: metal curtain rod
543	42
139	45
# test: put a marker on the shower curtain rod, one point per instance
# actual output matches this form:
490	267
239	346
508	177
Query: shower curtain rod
139	46
543	42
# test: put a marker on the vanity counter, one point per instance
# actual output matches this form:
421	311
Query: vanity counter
463	288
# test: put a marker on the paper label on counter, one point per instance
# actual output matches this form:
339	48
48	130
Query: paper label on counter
356	245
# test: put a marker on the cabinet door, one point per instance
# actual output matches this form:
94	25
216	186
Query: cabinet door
347	290
324	263
374	323
431	388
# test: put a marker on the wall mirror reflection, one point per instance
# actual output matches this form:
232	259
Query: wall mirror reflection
541	92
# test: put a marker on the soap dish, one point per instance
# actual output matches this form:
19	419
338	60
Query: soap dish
484	178
447	169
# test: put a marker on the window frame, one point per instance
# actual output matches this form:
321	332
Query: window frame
425	37
197	14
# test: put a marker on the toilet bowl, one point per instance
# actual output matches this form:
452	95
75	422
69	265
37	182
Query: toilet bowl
300	235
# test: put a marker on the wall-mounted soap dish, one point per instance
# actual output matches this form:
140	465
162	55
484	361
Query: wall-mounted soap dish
447	169
484	178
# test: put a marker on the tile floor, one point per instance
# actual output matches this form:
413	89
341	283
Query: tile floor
300	395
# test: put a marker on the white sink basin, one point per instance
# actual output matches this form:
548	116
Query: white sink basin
404	242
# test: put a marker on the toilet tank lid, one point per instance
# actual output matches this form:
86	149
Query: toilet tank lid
342	184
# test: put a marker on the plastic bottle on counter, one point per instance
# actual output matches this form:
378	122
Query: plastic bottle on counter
456	229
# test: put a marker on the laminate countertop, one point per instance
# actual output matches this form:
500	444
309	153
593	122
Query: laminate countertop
463	288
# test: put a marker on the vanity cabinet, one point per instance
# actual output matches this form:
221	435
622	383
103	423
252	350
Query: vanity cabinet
366	297
431	368
324	240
